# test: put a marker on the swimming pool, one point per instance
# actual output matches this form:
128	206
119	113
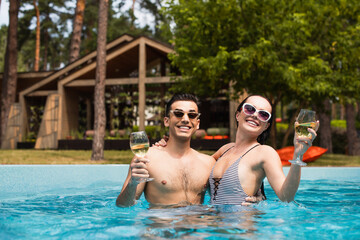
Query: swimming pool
78	202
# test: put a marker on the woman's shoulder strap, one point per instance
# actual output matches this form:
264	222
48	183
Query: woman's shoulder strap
226	151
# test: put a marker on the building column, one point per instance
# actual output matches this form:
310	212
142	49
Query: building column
88	114
141	84
23	118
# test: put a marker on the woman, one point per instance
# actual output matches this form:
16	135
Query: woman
242	166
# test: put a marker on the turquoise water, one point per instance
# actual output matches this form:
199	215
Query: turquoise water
78	202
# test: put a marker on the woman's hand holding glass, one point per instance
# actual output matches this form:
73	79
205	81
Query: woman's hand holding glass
306	126
139	144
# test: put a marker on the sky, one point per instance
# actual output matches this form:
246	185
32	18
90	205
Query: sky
143	18
4	12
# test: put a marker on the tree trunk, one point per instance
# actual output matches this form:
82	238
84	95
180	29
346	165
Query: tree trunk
290	128
9	81
133	5
46	47
37	45
325	126
99	96
273	131
351	133
77	28
132	15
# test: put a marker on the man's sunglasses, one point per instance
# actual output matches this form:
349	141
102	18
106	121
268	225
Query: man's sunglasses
180	114
249	110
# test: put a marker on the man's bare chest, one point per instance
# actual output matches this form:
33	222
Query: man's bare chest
179	177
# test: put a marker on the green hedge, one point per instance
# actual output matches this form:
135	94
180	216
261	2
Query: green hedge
282	127
334	123
153	132
338	123
342	124
217	131
338	134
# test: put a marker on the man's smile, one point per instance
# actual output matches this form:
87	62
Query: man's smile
186	128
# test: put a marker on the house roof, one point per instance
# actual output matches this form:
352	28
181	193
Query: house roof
122	63
27	79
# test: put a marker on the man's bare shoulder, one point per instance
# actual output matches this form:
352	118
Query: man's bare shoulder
156	151
203	156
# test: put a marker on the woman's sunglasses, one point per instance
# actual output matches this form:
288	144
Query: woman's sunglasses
249	110
180	114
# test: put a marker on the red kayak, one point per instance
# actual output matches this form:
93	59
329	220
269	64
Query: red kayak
311	154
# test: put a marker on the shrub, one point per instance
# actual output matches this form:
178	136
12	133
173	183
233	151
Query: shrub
153	132
76	134
282	127
135	128
199	134
338	135
338	124
213	131
342	124
224	131
339	140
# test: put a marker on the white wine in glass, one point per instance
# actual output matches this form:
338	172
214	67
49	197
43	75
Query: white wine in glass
140	149
139	145
301	128
306	119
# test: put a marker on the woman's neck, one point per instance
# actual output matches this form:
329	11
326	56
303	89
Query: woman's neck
243	140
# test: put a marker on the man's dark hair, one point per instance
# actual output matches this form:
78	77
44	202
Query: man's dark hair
180	97
265	134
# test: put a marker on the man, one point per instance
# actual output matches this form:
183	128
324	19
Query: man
180	173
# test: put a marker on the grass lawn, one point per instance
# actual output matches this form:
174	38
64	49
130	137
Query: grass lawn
124	157
336	160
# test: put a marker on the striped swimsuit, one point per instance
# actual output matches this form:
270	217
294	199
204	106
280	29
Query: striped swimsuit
228	189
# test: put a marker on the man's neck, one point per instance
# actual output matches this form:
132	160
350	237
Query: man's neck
178	147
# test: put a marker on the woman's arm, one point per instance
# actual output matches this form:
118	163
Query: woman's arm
286	187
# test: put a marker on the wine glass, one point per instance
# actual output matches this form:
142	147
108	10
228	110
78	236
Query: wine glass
139	145
306	119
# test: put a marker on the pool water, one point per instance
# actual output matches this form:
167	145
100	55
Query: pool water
78	202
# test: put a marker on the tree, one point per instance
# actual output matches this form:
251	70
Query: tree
37	45
3	38
346	54
243	42
9	81
77	28
54	18
55	34
280	49
162	23
99	96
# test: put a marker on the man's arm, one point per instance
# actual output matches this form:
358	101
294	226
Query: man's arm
133	186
